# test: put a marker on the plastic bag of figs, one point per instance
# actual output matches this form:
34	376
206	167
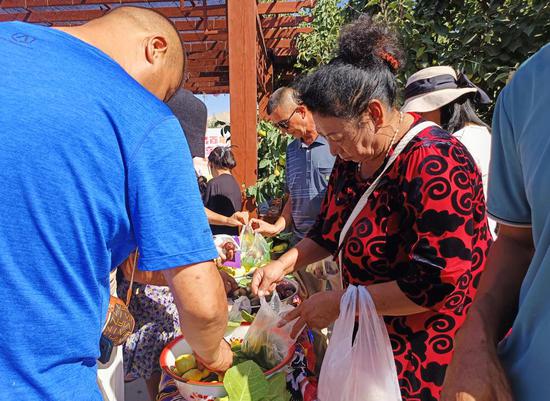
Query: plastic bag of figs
265	343
255	251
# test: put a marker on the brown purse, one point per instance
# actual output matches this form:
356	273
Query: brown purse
120	322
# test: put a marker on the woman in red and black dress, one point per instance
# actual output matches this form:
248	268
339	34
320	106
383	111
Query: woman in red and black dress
420	243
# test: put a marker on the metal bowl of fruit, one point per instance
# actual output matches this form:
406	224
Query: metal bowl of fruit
177	361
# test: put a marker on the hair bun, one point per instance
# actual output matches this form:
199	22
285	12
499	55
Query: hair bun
366	43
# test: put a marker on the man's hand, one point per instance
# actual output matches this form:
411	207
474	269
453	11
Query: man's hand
476	374
264	228
222	361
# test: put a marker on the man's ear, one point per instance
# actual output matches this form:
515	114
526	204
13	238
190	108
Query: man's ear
156	48
302	111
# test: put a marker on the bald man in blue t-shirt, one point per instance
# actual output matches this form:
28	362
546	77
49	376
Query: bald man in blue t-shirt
92	165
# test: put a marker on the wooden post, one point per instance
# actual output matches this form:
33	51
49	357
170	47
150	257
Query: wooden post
241	26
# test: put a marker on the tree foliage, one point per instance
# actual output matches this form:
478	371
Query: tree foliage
487	39
272	146
316	47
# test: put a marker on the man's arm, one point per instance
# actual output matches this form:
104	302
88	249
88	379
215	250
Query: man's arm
476	371
202	306
496	303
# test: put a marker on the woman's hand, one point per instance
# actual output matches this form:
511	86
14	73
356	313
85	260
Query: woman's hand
241	217
237	219
264	228
266	278
316	312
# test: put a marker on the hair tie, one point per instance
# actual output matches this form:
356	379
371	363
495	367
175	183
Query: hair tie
390	59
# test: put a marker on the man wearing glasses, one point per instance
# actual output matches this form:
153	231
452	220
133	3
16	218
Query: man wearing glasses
308	167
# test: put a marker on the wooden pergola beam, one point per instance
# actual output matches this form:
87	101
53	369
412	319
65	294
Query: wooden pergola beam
206	64
284	7
285	52
65	15
241	24
279	43
204	46
200	25
207	68
217	54
285	33
79	15
283	21
13	17
203	37
212	91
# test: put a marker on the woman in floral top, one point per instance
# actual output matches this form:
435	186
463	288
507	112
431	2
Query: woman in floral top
420	242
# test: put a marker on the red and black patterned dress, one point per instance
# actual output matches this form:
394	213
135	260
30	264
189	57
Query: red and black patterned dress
424	227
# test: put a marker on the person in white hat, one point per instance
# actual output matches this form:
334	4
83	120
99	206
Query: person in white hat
442	95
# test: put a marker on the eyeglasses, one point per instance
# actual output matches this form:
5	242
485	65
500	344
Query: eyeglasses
283	124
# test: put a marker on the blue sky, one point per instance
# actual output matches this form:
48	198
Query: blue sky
215	103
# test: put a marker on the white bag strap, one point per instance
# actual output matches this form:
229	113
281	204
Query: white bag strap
365	197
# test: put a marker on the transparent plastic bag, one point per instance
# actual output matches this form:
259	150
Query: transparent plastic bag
240	304
265	343
255	251
360	369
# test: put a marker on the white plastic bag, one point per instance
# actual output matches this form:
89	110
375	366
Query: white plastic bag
265	343
362	369
240	304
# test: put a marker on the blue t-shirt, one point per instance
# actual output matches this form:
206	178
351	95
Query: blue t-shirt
308	170
519	195
91	166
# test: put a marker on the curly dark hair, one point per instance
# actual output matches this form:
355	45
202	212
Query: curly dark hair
368	58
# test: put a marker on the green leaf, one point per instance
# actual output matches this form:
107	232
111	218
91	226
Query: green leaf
246	382
277	388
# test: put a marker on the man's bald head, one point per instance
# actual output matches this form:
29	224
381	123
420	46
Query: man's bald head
144	42
284	98
152	22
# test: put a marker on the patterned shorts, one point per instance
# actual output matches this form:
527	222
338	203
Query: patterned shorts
157	323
